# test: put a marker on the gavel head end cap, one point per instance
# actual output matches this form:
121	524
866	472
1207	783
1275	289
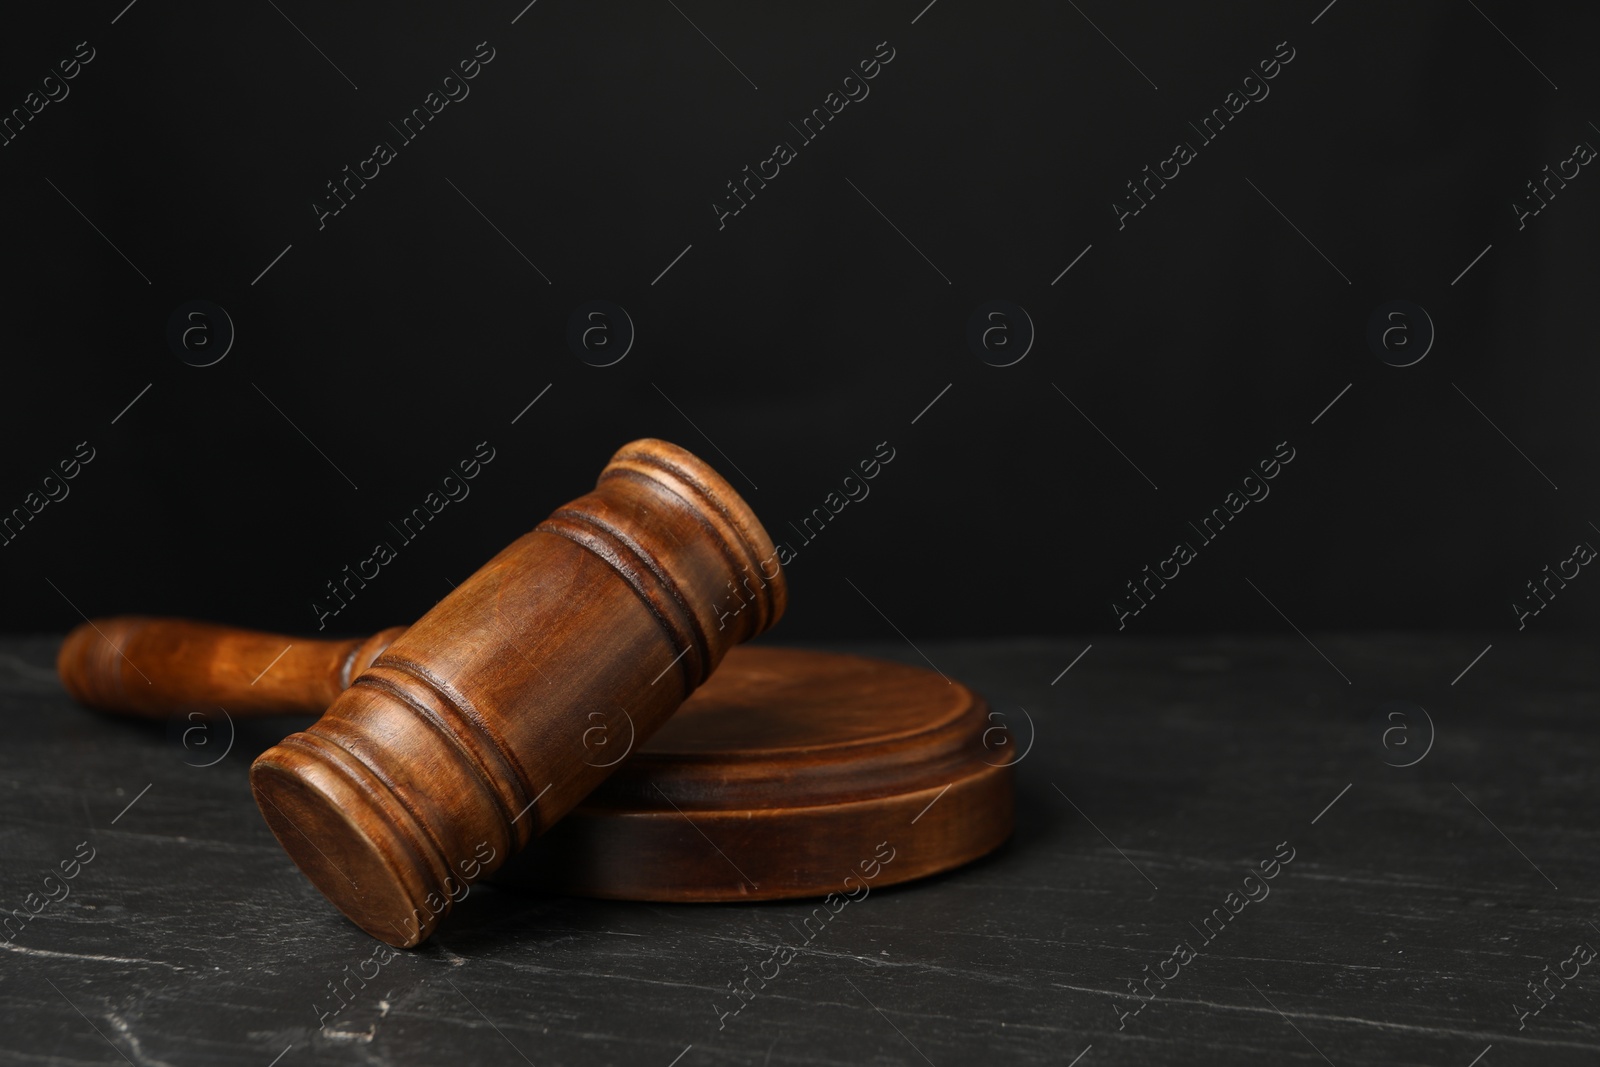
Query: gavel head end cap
732	522
346	846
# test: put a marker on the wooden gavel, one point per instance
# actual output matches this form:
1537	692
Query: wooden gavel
446	746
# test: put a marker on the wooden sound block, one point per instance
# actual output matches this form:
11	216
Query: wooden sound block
777	779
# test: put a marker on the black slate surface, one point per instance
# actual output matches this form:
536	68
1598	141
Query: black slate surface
1419	902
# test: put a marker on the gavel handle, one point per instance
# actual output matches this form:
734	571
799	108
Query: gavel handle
153	667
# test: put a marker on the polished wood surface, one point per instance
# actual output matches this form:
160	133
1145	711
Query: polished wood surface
465	738
779	778
155	667
469	734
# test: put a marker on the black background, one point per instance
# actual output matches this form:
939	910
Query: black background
808	330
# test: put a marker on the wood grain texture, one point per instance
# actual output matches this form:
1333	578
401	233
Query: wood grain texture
464	738
800	764
155	667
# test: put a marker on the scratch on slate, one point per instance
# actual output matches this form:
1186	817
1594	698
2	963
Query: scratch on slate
136	1050
51	954
363	1037
1378	1024
810	950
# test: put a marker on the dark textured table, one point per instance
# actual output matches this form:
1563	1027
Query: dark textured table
1416	905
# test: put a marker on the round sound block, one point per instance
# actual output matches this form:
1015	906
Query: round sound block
786	773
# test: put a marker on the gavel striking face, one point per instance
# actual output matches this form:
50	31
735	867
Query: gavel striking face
462	739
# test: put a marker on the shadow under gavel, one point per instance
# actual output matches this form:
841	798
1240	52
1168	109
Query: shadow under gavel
447	746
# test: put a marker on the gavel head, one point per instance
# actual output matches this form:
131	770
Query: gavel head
476	729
